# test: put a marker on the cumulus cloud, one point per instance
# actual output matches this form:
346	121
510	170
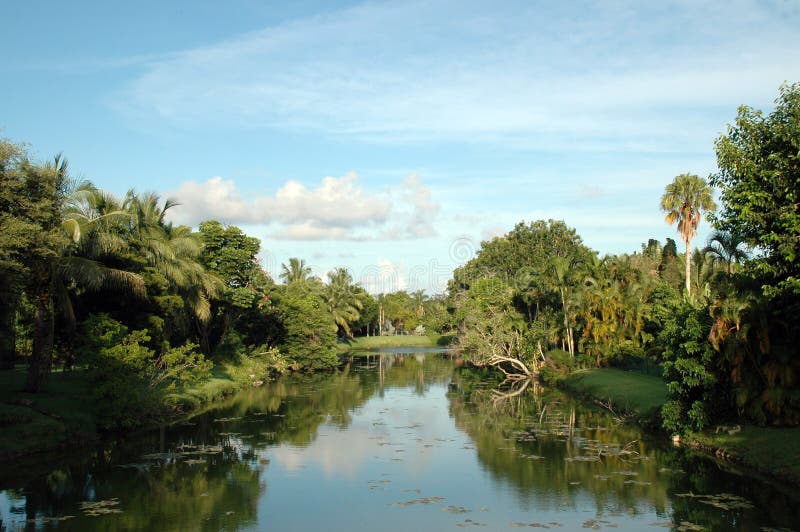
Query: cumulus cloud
338	209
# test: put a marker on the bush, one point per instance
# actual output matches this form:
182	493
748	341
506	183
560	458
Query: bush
558	364
128	379
691	366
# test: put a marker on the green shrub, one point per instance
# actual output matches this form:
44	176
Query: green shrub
691	369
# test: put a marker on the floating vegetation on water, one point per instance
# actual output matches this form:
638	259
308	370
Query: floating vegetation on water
44	520
538	525
417	491
456	509
422	500
673	471
194	461
637	482
625	473
686	526
582	458
724	501
470	522
770	529
225	419
95	508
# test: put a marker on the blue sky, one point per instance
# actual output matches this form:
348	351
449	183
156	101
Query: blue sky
392	137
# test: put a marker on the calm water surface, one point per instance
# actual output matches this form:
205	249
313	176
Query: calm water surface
394	442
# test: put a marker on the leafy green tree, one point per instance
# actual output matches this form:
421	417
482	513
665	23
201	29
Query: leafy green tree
691	371
17	231
309	330
684	201
492	331
50	265
243	304
759	182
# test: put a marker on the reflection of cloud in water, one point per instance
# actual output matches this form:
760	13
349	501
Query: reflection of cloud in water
397	427
335	452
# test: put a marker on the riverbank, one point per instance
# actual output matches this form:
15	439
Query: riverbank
64	415
377	342
774	452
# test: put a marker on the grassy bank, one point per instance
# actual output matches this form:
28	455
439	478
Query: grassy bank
376	342
31	423
64	414
626	392
772	451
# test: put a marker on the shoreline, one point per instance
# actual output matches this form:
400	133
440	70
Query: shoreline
770	452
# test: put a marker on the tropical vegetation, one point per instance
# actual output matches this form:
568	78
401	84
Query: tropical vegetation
109	286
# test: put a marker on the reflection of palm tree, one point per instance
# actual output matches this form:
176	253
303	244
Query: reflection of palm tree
296	271
726	247
684	200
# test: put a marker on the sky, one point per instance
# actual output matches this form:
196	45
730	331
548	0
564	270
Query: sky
392	138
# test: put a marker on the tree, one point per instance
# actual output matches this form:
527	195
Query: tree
344	301
726	247
232	255
684	201
50	264
492	332
296	271
759	180
309	329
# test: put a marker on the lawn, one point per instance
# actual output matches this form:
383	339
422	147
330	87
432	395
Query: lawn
627	391
767	449
31	423
770	450
376	342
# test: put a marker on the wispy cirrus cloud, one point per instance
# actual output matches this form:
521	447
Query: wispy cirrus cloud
622	75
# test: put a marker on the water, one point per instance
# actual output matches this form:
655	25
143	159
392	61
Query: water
394	442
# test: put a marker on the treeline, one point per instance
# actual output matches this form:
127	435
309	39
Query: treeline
108	284
721	321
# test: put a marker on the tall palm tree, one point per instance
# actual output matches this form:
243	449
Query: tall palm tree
728	248
296	271
684	201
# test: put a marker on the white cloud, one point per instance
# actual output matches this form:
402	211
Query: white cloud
338	209
338	203
619	76
383	277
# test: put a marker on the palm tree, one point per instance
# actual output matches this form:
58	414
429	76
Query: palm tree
727	247
684	200
174	251
343	299
296	271
63	266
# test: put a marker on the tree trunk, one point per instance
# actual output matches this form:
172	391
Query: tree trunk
8	339
688	267
42	355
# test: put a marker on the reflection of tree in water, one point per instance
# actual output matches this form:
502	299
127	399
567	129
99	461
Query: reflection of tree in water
215	491
554	451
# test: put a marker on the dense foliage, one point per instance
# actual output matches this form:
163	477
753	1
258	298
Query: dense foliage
108	284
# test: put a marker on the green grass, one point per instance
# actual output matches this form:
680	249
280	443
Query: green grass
376	342
627	391
767	449
774	451
31	423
